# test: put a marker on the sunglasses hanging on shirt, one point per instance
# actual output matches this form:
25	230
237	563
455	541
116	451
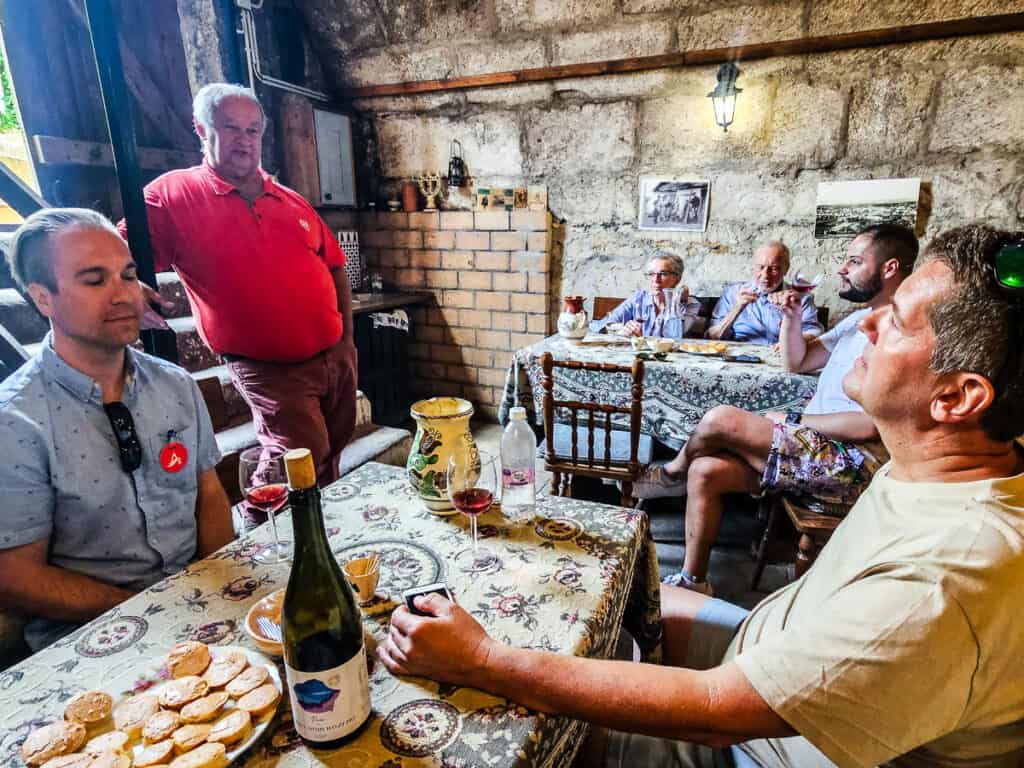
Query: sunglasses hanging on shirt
128	445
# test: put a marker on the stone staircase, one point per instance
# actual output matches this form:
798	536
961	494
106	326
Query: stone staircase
231	418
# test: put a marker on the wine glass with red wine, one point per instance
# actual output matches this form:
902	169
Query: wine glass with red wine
802	284
262	477
472	484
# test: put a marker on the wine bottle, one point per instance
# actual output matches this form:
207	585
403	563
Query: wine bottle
324	654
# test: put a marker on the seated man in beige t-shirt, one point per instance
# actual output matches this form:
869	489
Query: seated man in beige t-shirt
902	645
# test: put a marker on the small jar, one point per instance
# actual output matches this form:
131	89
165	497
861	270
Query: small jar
376	282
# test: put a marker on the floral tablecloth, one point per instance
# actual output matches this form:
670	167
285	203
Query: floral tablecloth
677	391
563	582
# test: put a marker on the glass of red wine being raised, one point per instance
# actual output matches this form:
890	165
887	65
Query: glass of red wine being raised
472	484
262	477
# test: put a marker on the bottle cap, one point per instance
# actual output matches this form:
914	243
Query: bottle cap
518	413
298	464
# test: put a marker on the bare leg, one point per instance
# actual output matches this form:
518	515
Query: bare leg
725	429
708	478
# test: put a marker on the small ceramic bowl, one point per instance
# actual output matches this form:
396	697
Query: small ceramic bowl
363	580
661	346
269	608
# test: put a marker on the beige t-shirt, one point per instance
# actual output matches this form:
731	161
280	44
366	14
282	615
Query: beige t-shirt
904	643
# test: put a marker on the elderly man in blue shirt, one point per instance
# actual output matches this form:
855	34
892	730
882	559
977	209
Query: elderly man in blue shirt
647	312
750	311
109	476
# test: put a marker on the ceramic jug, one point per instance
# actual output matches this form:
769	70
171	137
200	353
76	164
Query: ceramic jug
442	426
572	322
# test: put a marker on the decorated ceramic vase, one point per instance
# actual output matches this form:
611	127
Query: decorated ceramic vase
572	323
442	427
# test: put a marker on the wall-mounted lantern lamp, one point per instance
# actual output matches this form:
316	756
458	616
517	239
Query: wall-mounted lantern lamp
723	98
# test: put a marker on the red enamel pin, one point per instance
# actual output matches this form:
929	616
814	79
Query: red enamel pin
174	455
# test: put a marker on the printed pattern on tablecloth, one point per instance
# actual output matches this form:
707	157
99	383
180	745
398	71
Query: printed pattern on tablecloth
559	583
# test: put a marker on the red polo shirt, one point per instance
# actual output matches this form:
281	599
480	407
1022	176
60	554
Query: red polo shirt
258	277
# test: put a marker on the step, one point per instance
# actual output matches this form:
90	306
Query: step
193	354
387	445
20	318
171	289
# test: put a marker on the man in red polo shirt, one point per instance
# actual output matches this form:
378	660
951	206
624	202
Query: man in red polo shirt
265	279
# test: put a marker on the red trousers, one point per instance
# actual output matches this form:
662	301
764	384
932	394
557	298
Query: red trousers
311	404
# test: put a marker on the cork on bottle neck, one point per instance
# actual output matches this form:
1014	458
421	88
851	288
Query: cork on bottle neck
298	464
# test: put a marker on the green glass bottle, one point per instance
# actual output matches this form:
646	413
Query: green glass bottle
324	654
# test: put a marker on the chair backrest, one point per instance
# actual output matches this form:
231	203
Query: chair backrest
588	464
823	317
604	304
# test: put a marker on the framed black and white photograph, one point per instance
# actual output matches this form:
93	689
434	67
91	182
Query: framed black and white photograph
846	207
677	204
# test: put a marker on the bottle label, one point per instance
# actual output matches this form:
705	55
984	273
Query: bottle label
332	703
513	478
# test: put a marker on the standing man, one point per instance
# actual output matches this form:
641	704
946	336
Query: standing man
902	645
751	311
828	452
265	279
109	475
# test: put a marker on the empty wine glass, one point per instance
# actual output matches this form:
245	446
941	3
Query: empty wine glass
264	483
472	484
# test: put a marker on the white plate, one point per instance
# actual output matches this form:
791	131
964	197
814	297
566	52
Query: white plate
155	668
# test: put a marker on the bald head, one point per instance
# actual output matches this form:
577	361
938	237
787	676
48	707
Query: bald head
771	262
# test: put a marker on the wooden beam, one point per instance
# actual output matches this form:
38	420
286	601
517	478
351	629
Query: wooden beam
911	33
55	150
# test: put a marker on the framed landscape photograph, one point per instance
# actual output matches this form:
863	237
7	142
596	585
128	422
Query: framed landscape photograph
846	207
675	204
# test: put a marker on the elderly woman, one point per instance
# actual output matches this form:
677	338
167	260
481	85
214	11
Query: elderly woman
645	312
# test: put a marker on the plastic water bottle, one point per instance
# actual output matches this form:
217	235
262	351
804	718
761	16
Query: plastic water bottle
518	467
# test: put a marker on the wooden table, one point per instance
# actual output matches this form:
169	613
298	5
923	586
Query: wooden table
565	582
678	391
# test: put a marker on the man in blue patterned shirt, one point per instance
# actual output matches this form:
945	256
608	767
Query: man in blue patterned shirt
750	311
109	476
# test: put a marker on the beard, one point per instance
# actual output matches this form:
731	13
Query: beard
862	293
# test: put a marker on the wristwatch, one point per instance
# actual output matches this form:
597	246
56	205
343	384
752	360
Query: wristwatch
793	417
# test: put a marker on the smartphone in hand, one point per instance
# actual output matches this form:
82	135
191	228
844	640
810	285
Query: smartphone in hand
412	593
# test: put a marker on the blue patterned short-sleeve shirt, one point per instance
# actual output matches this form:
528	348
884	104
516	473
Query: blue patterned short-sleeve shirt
62	479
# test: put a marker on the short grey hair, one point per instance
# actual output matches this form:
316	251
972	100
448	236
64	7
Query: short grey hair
28	255
780	246
208	100
676	261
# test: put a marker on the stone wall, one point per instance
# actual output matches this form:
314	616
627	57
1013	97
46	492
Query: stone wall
489	275
950	112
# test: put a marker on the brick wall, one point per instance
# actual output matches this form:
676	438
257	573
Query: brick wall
489	275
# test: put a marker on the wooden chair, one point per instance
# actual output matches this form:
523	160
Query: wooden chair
823	317
610	454
604	304
814	520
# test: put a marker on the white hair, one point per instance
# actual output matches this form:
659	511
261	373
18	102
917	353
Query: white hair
209	98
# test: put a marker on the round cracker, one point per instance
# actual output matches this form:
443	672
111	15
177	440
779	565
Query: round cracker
225	668
158	753
209	755
260	700
160	725
75	760
204	709
89	707
190	736
111	741
189	657
177	693
133	712
253	677
111	760
233	727
52	740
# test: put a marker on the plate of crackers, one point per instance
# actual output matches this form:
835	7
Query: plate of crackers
211	705
708	348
